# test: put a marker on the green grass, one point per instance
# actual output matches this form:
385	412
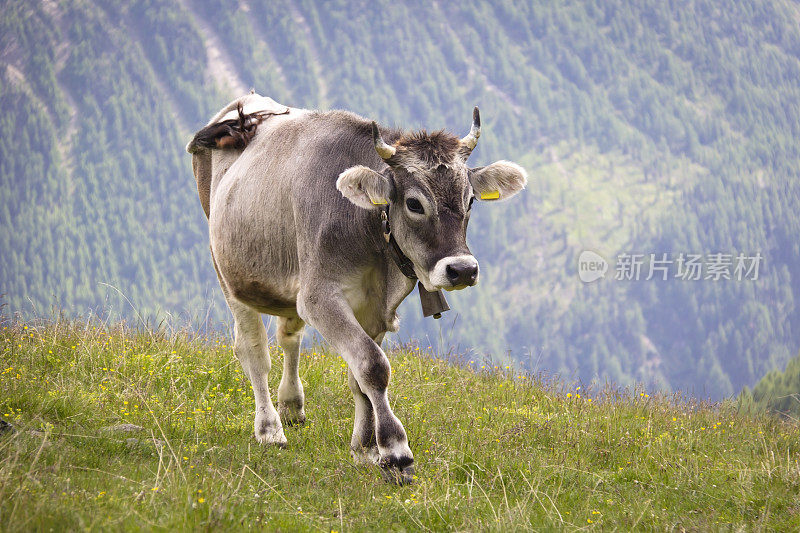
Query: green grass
494	450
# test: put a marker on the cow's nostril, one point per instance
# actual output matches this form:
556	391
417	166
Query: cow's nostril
452	273
471	273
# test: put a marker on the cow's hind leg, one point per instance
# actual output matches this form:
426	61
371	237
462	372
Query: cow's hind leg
250	346
290	391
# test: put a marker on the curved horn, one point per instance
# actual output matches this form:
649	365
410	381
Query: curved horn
471	140
383	149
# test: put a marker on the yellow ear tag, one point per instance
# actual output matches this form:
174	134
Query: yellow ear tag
379	201
491	195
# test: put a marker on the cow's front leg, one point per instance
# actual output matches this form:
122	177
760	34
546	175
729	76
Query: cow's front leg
250	346
290	392
363	445
334	319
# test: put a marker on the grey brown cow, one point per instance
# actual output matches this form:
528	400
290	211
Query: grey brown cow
324	218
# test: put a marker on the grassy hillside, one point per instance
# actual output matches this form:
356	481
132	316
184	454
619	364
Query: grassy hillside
494	450
654	128
778	391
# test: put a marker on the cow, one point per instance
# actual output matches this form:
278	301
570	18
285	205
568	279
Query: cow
326	219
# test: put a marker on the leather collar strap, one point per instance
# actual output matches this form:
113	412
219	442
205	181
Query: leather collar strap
402	261
433	303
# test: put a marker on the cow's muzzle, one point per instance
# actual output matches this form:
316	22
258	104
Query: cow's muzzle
455	272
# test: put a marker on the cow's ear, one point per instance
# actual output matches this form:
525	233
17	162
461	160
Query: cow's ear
499	181
364	187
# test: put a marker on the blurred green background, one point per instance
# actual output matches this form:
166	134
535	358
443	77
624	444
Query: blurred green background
656	128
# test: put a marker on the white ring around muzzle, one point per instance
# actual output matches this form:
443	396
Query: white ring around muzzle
438	276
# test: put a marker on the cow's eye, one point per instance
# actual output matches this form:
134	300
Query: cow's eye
469	206
414	206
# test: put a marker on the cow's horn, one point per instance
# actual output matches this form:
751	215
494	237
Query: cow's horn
383	149
471	140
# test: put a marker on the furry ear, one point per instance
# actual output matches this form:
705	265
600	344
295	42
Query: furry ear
499	181
364	187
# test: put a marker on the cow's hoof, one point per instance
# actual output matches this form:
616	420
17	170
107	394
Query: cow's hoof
274	438
269	432
398	476
398	470
291	415
365	456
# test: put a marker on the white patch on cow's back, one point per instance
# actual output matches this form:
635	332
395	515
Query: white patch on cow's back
256	104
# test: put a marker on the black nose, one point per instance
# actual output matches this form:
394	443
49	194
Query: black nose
462	273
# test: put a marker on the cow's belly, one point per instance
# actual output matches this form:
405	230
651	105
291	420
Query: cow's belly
259	269
265	299
256	281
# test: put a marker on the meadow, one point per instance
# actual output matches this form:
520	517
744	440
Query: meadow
150	429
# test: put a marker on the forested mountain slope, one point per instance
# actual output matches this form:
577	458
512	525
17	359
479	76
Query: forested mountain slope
659	128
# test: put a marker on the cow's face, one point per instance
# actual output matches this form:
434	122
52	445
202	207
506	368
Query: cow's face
430	190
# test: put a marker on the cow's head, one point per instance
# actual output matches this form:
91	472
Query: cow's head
430	190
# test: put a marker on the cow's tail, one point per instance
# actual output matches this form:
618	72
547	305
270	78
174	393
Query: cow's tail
202	168
232	134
